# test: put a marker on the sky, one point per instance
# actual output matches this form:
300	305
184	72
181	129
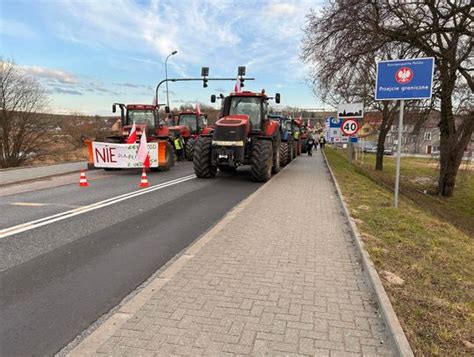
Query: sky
90	53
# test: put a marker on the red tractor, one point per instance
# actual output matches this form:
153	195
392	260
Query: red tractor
244	135
146	119
190	126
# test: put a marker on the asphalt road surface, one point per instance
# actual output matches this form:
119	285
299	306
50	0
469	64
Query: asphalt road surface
82	250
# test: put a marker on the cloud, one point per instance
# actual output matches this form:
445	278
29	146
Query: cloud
218	34
280	9
130	85
65	91
49	74
16	29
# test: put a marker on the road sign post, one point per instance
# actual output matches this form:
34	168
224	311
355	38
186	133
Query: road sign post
349	113
350	127
399	153
400	80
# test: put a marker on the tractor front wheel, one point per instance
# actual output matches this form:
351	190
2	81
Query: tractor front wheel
284	154
202	158
291	151
276	154
189	149
261	160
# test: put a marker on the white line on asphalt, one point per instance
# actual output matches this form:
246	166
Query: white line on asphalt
80	210
29	204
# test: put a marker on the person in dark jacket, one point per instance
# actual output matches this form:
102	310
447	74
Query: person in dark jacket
322	142
309	145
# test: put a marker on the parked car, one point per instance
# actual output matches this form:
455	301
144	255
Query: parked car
369	146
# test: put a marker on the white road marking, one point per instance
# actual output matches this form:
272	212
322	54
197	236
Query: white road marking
29	204
80	210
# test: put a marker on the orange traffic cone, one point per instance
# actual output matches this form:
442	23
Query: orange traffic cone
83	180
144	180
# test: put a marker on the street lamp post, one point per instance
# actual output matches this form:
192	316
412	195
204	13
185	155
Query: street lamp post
166	75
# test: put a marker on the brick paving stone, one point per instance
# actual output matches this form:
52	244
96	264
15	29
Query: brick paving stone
282	278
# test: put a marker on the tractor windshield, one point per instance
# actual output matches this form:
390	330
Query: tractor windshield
146	117
286	125
188	120
250	106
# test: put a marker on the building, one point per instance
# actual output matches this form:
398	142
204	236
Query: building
420	135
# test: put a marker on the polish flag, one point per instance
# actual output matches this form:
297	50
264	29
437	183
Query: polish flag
237	87
132	137
142	154
198	109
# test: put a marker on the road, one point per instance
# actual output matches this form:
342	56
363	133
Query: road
60	275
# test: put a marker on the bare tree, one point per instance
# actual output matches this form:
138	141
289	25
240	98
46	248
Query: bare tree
22	128
343	66
437	28
78	127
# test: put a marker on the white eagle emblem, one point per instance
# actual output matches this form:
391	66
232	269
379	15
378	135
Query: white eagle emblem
404	75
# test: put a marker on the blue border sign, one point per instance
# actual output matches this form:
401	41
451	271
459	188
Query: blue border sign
404	79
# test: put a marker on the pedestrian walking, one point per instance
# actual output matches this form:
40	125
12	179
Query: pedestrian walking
309	145
179	146
316	143
322	142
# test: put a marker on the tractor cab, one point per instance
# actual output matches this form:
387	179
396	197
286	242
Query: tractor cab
249	105
144	116
189	124
286	125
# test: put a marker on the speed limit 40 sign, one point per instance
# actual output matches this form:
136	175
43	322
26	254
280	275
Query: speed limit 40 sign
350	127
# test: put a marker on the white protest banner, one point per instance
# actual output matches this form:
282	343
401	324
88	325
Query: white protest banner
111	155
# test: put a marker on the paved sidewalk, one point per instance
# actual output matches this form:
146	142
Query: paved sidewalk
8	176
281	278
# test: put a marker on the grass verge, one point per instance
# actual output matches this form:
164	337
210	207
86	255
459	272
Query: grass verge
426	263
418	181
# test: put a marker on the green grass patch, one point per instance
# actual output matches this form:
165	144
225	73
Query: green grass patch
435	303
418	181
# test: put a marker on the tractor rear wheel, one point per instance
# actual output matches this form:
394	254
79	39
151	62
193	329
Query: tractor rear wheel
189	149
202	158
276	143
291	146
304	147
284	154
261	160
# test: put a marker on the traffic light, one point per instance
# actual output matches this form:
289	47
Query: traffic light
242	82
204	74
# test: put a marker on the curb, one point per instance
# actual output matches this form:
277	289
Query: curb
127	308
391	320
